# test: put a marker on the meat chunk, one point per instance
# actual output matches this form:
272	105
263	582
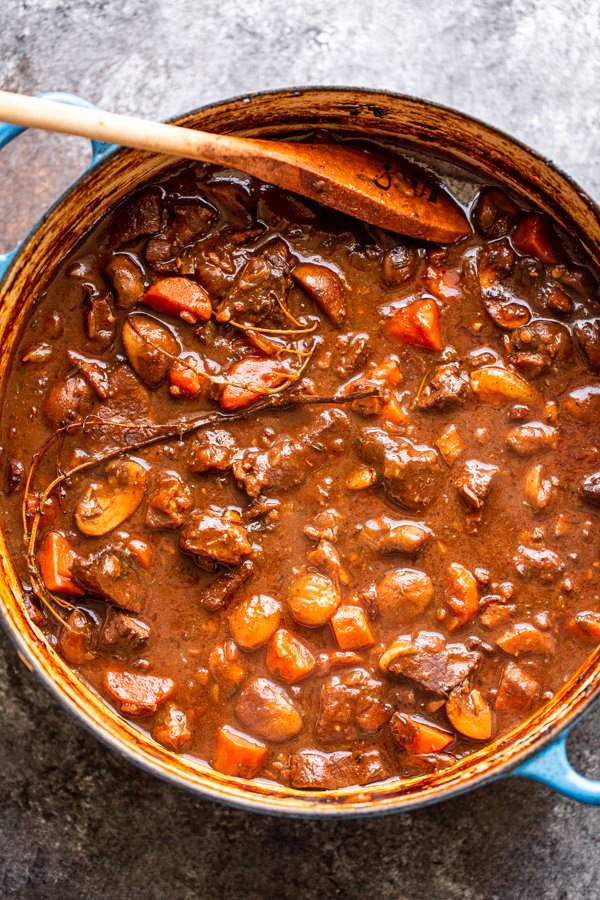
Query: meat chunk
590	489
448	386
188	223
127	398
354	352
412	474
287	461
587	332
211	450
260	287
139	695
351	706
219	592
475	483
100	319
141	215
538	346
543	564
216	536
314	770
111	574
532	438
429	662
127	279
517	690
169	501
123	632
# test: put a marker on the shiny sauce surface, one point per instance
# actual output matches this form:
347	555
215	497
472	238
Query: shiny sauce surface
326	500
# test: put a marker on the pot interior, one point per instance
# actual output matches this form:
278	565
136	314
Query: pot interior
421	126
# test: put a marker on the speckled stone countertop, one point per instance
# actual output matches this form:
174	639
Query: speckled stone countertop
76	822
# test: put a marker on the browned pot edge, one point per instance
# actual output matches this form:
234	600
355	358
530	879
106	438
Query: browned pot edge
372	113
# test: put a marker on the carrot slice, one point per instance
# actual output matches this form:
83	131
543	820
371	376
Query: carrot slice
185	379
179	297
288	657
351	628
415	735
253	377
535	236
237	754
55	559
417	325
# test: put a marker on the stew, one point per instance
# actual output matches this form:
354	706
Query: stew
302	498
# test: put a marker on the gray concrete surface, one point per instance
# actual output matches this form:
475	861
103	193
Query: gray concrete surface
76	822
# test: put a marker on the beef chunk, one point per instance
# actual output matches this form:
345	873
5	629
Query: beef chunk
127	398
311	769
142	215
430	663
169	501
475	483
111	574
219	592
188	224
517	690
216	536
536	347
123	632
127	279
412	474
211	450
590	489
448	386
263	281
354	352
543	564
287	462
588	335
100	319
139	695
351	706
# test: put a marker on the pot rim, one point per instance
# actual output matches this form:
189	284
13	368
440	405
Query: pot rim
322	806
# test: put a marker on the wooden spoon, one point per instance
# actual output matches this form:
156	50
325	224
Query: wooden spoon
356	182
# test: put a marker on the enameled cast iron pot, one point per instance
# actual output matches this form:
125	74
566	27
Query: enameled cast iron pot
536	749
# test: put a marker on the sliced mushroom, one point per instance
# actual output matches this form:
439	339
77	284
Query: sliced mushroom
497	385
108	503
150	348
325	287
469	713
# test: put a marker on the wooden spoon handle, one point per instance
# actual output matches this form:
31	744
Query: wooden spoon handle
127	131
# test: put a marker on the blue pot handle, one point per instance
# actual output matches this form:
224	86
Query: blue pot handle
551	767
9	132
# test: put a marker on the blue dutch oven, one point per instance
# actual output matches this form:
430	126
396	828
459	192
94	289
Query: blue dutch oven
537	748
